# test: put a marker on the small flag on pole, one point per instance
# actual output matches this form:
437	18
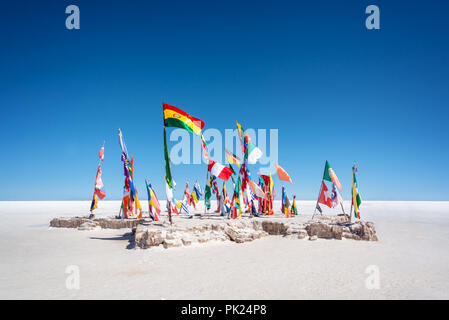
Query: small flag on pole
282	174
232	158
101	153
325	196
219	170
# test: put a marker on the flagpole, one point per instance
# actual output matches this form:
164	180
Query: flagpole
352	197
319	193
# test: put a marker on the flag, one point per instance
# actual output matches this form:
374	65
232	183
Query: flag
287	206
196	192
329	175
325	196
168	177
336	197
101	153
99	185
204	147
319	208
168	192
207	194
219	170
232	158
181	205
252	153
282	174
256	189
174	117
238	200
250	150
93	205
356	199
152	199
122	143
294	208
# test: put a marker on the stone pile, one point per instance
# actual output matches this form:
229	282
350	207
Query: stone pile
149	234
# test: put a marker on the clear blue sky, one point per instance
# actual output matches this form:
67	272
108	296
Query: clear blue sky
334	89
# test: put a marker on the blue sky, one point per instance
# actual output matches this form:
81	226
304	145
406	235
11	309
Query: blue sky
332	88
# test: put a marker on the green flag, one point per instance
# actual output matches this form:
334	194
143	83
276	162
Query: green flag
168	177
207	196
326	175
356	196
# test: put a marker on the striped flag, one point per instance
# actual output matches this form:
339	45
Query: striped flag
219	170
356	199
232	158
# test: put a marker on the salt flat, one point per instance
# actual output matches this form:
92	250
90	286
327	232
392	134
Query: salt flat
412	257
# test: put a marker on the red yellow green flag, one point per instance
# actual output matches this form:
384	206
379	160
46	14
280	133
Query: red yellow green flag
174	117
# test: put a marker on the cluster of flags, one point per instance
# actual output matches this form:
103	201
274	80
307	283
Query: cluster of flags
333	198
256	198
130	202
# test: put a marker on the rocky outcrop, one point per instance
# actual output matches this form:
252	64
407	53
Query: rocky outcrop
149	234
105	223
153	236
359	230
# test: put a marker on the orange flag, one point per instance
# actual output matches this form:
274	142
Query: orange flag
282	174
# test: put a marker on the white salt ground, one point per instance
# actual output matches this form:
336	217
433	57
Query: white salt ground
412	258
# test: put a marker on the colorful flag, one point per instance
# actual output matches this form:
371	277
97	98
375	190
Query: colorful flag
101	153
174	117
336	197
99	188
204	147
256	189
232	158
238	197
181	205
329	175
356	199
93	205
294	209
287	206
207	194
325	196
152	199
218	170
196	192
282	174
250	150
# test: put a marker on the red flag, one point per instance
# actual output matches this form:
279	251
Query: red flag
101	153
325	196
219	170
99	185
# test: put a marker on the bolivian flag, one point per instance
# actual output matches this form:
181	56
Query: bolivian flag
357	201
174	117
